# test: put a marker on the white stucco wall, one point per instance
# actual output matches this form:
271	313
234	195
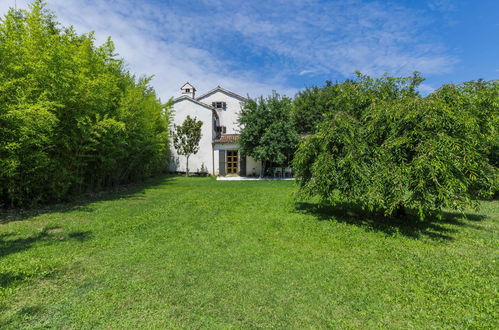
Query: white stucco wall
229	117
253	166
182	109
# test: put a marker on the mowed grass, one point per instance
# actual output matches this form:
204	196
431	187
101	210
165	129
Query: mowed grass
194	252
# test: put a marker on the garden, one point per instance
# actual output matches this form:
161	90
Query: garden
392	221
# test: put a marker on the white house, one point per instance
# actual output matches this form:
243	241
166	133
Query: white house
218	153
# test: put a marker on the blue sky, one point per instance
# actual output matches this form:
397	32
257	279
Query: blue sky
254	47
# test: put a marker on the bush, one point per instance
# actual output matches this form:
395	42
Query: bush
72	118
399	152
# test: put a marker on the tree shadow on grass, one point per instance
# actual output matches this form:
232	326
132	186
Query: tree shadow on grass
410	225
8	278
24	313
47	236
83	202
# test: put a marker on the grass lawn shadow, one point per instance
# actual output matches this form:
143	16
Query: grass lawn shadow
49	235
409	225
82	202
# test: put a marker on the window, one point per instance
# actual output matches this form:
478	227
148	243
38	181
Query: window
187	90
219	105
221	129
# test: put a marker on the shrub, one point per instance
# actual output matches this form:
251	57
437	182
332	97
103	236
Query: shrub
72	118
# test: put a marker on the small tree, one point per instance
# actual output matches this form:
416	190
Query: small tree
186	138
267	133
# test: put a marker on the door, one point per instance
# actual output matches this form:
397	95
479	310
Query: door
232	160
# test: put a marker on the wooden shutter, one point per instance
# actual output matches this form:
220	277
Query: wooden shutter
221	162
242	166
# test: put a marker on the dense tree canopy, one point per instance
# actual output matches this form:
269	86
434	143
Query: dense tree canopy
354	96
481	99
72	118
382	146
267	133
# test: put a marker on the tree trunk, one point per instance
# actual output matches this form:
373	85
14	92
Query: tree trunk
187	167
263	169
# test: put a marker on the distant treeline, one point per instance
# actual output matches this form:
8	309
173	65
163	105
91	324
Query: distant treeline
72	118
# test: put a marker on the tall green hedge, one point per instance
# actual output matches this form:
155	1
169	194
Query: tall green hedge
72	118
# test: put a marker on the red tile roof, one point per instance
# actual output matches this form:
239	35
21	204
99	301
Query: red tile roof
227	138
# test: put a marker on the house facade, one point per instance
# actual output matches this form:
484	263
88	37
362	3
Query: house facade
218	152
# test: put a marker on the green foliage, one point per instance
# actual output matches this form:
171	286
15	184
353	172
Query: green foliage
267	133
481	99
352	96
186	138
400	150
71	117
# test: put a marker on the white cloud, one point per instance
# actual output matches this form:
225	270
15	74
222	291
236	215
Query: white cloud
257	46
442	5
307	72
138	39
344	36
426	89
6	4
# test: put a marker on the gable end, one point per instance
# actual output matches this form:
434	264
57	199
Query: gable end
224	91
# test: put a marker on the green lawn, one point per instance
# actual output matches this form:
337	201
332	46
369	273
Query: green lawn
194	252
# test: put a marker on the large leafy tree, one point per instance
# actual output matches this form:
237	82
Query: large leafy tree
354	96
72	118
398	152
267	133
186	138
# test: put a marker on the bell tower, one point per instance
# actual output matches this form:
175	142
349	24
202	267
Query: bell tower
188	90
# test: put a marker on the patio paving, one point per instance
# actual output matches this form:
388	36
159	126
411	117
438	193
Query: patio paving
244	178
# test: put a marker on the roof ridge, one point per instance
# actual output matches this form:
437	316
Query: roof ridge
218	88
186	97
